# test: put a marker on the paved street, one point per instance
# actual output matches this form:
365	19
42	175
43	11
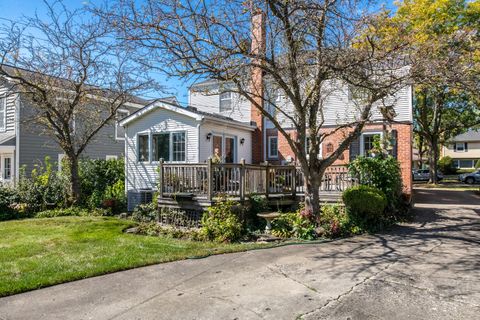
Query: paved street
425	270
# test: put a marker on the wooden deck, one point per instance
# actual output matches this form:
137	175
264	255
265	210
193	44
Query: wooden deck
198	186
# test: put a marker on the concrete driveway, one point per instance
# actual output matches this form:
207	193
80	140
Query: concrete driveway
425	270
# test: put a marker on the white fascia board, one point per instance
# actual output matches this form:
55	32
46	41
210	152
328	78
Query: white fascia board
158	104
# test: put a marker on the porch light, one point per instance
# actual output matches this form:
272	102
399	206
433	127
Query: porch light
242	141
209	136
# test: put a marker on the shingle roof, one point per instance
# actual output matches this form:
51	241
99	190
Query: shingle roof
471	135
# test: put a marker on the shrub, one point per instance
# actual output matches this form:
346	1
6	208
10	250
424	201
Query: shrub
334	222
8	198
155	229
445	164
72	211
477	165
114	197
220	223
365	205
97	176
381	172
145	212
44	188
295	224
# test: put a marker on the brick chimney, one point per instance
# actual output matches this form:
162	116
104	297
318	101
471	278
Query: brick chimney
258	47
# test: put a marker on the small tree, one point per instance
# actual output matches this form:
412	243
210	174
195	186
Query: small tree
73	74
306	51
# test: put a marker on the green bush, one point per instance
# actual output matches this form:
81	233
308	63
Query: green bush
297	224
445	164
8	198
334	222
145	212
381	172
477	165
221	223
102	180
44	188
72	211
365	205
155	229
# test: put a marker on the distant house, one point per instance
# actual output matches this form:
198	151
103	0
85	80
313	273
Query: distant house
464	149
24	144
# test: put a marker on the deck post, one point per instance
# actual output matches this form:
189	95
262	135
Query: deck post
209	179
242	179
267	179
294	180
160	178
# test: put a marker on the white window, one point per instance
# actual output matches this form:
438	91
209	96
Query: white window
111	157
61	157
119	130
320	149
225	101
460	147
169	146
357	93
3	113
178	146
7	168
143	148
367	142
274	102
273	147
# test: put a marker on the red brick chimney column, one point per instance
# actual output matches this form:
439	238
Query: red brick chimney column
258	47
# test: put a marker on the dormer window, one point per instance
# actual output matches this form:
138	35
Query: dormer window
225	101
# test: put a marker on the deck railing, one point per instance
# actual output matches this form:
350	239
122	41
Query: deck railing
240	180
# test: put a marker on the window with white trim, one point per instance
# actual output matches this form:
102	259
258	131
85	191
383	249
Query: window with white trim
119	130
178	146
225	101
143	148
161	146
108	157
460	147
7	168
3	113
307	148
273	147
367	142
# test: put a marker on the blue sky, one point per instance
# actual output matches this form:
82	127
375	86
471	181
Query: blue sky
15	9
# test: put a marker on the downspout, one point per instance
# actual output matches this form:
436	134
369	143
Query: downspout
17	139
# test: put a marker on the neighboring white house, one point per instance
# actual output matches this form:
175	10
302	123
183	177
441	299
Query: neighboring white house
163	130
464	149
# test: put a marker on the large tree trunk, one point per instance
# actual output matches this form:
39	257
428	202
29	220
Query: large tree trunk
312	191
75	189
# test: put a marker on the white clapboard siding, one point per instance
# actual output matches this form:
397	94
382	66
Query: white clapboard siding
142	175
209	102
339	109
206	147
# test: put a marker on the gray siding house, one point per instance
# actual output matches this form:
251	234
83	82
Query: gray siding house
24	144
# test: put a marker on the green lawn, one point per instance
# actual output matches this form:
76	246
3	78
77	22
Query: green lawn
35	253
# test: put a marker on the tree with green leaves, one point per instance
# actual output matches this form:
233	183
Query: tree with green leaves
444	54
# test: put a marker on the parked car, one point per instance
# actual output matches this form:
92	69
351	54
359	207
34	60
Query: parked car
470	178
424	175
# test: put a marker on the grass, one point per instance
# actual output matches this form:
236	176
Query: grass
36	253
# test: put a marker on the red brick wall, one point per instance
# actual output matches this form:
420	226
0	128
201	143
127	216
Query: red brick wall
404	149
258	46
